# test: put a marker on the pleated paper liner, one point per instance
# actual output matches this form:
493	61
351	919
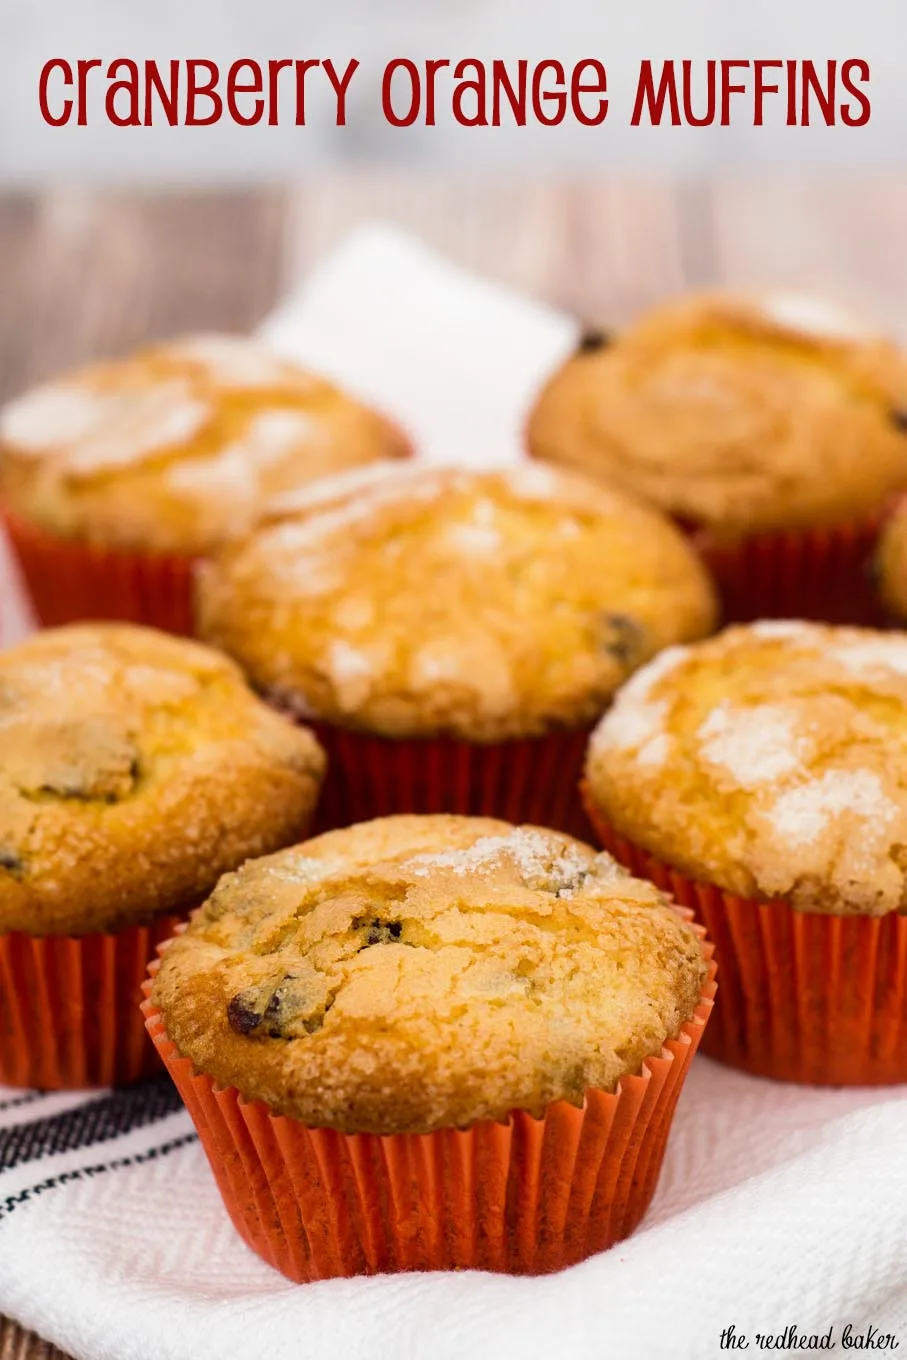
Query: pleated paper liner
69	1008
804	996
69	581
822	574
533	780
524	1196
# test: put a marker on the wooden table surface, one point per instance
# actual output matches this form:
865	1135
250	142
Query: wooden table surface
83	274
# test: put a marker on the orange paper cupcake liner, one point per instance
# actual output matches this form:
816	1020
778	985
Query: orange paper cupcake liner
524	1196
70	581
805	996
533	780
822	574
69	1013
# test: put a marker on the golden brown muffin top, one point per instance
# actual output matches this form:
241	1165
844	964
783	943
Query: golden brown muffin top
770	760
736	413
416	973
411	601
135	769
177	447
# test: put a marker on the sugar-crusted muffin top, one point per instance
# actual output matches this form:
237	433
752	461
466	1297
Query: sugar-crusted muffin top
415	973
410	601
178	447
736	413
135	768
770	760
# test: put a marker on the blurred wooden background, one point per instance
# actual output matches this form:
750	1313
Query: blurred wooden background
83	275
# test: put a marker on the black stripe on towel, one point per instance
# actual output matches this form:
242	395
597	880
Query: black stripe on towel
97	1121
89	1172
16	1102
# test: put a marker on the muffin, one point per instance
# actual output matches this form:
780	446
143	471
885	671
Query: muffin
117	477
890	565
135	769
453	634
430	1043
773	429
761	776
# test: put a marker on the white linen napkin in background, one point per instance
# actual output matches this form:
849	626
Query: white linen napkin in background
778	1205
455	358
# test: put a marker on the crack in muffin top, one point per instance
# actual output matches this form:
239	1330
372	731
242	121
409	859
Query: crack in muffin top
415	973
179	446
135	768
771	761
416	601
736	413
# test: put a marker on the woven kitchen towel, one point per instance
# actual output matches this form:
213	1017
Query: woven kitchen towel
778	1207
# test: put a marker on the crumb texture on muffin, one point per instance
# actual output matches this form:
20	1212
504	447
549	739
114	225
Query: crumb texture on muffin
135	769
177	447
771	761
738	414
413	601
415	973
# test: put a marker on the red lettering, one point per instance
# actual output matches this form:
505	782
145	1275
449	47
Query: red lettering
464	87
431	70
340	86
302	70
402	64
791	94
578	89
848	118
208	90
131	86
500	81
83	67
235	87
274	70
558	95
168	97
825	94
708	117
57	64
654	100
727	89
762	89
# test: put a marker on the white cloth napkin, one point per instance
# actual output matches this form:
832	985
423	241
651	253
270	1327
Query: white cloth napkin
455	358
778	1206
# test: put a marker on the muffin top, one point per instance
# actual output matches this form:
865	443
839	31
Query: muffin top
737	414
770	760
176	448
415	973
135	768
412	601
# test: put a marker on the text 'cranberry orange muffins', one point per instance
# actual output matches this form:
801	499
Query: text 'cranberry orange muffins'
116	477
774	429
432	1043
135	769
761	778
453	634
